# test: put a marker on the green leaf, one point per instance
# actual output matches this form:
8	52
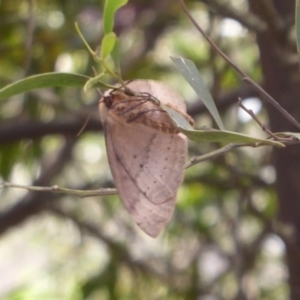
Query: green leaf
297	10
93	53
96	82
288	134
115	55
110	8
213	135
179	120
189	71
42	81
108	44
222	136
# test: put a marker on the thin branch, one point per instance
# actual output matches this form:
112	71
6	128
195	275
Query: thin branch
223	101
57	189
272	101
33	203
213	154
243	75
286	140
254	117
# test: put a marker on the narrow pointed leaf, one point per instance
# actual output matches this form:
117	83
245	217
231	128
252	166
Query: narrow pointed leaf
115	55
108	44
110	8
189	71
213	135
288	134
45	80
226	137
95	82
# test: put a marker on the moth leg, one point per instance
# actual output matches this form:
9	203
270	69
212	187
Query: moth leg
142	113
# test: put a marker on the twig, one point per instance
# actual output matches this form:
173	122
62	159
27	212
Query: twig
243	75
272	101
57	189
34	203
111	191
83	126
263	127
213	154
254	117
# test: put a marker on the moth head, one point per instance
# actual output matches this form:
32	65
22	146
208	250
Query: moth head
108	100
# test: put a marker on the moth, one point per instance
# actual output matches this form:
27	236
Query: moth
146	152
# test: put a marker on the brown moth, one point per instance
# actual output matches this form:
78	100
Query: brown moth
146	152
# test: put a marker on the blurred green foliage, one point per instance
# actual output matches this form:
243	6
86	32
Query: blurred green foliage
218	244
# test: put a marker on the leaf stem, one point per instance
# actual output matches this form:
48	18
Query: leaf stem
98	59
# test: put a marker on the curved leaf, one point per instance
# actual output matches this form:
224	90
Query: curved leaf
115	55
189	71
222	136
213	135
295	135
110	8
42	81
96	82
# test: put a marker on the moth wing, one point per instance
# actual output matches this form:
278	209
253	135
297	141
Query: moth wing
147	167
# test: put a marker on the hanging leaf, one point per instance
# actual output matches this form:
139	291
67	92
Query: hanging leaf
189	71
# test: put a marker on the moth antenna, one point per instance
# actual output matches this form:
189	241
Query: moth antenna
133	107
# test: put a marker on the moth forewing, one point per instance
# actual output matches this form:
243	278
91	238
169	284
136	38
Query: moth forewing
145	151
